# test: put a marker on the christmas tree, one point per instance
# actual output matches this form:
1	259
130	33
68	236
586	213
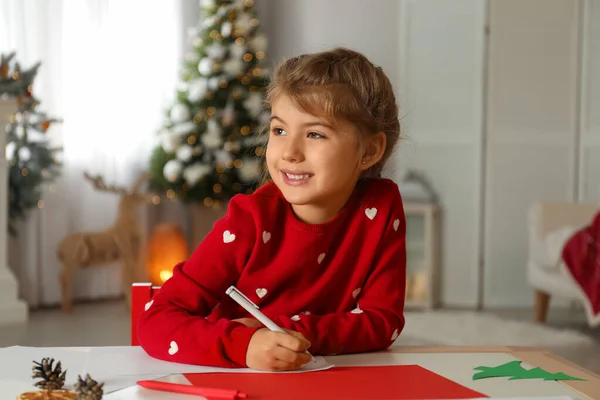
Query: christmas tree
31	159
209	148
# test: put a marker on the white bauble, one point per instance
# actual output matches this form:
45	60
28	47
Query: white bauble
197	89
10	151
233	67
223	10
212	139
237	51
242	23
180	113
184	153
213	83
259	42
172	170
207	3
195	172
24	154
253	103
205	66
226	29
186	127
223	156
209	21
250	169
216	50
20	131
169	141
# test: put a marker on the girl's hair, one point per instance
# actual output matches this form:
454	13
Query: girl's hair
340	84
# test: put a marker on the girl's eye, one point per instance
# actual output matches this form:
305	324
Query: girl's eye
278	131
315	135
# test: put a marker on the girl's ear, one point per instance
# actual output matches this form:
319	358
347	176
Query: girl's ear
373	150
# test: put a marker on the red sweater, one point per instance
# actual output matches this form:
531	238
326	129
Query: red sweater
341	283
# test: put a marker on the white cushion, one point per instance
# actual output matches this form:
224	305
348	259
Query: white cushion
548	253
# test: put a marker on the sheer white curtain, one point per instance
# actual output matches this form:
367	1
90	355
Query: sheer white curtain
109	67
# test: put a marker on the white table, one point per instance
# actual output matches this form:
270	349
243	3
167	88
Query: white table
454	363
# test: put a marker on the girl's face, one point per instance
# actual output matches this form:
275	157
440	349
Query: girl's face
314	164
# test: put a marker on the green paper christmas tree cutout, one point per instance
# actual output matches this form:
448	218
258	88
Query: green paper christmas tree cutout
513	370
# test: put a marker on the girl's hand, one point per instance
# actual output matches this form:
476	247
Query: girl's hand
276	351
249	322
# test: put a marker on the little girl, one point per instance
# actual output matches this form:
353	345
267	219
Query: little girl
320	248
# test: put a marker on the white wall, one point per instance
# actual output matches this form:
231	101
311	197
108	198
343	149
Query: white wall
295	27
532	131
589	160
441	86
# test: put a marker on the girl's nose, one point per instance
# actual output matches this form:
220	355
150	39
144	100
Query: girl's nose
292	151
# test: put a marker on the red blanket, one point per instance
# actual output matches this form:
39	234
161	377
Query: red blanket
581	256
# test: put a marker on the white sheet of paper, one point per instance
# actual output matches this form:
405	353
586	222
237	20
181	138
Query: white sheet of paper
133	360
118	367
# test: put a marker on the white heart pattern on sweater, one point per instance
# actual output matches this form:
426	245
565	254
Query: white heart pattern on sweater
395	335
295	318
396	224
357	310
266	236
228	237
261	292
371	212
174	348
148	304
321	257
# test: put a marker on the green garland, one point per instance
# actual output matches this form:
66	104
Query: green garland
31	160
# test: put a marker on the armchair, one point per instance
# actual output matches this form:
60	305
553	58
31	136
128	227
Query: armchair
550	225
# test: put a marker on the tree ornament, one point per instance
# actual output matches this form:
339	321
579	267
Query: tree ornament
89	389
205	66
180	113
53	378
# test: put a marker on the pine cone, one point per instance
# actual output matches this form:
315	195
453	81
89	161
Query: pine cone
52	378
88	389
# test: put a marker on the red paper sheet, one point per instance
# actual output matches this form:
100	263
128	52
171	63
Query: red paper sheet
396	382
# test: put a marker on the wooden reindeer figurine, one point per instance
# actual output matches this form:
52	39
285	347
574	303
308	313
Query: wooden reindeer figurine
120	242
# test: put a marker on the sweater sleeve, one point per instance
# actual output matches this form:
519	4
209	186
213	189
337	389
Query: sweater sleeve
174	326
379	317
